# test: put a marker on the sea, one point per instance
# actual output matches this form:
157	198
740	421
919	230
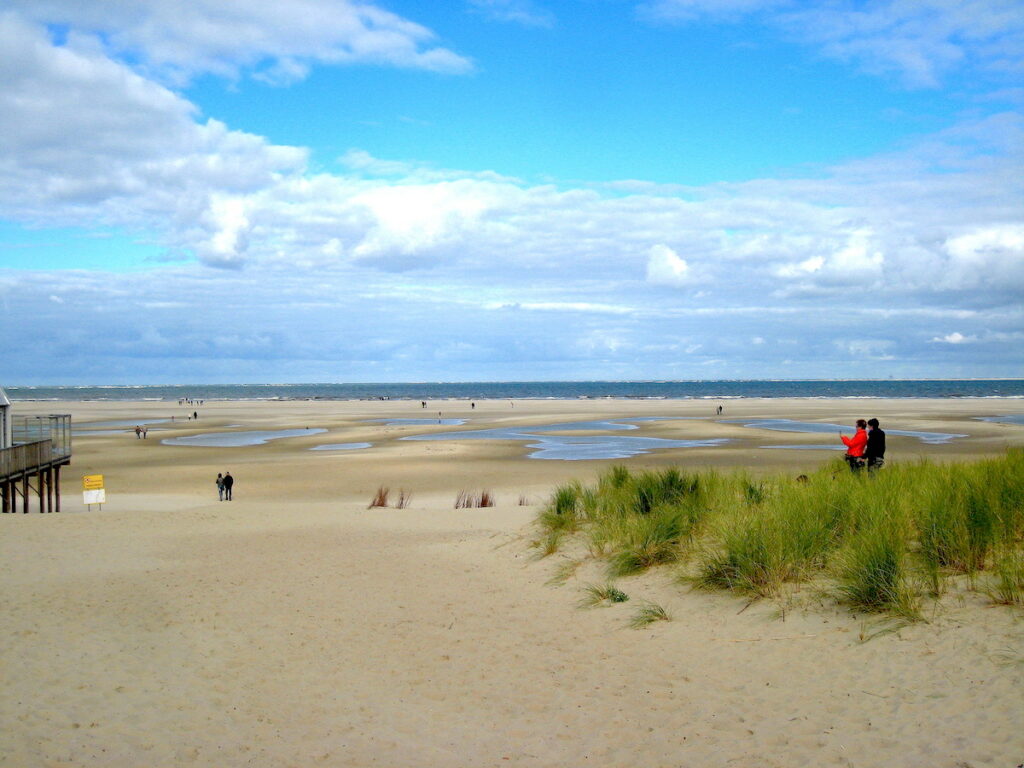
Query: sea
540	390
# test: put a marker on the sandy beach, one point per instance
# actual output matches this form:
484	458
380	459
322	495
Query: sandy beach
292	626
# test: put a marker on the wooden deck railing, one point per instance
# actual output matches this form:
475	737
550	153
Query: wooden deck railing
28	457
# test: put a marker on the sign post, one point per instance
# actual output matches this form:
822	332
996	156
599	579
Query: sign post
93	491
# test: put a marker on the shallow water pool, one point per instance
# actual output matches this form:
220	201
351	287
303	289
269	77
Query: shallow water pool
577	447
238	439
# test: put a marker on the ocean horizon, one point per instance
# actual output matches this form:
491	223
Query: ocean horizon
723	389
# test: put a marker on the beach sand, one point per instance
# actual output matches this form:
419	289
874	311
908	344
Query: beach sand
293	626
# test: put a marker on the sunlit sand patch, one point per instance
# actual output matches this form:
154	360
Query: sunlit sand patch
341	447
416	422
788	425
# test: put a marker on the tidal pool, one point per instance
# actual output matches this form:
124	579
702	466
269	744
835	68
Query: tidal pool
576	447
787	425
1017	418
341	447
238	439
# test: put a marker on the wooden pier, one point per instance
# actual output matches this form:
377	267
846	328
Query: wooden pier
32	451
27	468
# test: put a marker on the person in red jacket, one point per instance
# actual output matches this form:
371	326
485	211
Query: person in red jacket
855	446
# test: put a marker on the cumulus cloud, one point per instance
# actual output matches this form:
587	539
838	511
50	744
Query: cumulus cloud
665	266
276	41
927	235
955	338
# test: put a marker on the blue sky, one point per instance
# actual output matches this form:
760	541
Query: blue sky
510	189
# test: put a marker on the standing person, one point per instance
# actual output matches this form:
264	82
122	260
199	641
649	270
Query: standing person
138	431
229	483
855	446
875	450
220	487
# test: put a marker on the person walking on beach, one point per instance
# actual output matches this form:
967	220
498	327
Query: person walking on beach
138	431
229	483
855	446
220	487
874	452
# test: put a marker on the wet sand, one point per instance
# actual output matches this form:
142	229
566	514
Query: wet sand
292	626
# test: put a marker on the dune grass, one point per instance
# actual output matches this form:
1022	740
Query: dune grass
601	594
470	500
880	542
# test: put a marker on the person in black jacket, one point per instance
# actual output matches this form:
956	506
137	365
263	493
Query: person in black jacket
874	452
229	483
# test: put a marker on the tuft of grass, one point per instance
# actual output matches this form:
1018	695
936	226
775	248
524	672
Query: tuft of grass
1008	588
469	500
597	594
380	498
404	499
646	541
563	573
871	571
870	630
647	615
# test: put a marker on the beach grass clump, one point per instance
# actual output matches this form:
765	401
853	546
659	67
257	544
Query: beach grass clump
647	614
380	498
648	540
560	516
601	594
1008	585
868	538
871	568
957	522
473	500
644	519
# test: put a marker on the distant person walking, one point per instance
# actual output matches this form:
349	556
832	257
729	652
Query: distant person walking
138	432
874	452
719	410
229	483
220	487
855	446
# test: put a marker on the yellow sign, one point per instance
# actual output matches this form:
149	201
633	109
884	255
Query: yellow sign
92	482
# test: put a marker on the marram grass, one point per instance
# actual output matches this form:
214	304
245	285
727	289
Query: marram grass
882	541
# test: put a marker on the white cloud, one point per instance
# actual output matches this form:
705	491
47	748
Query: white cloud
666	267
928	235
919	42
523	12
277	41
955	338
